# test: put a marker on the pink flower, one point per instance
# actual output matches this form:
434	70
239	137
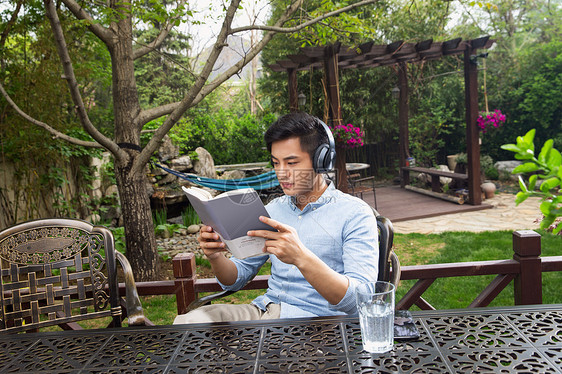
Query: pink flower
348	136
495	119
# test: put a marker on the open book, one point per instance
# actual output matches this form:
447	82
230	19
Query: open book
232	214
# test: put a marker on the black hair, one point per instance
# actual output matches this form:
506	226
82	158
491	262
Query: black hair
301	125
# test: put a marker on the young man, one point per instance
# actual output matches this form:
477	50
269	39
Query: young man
325	245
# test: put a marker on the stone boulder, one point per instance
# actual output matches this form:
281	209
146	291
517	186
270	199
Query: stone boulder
167	150
233	174
507	166
205	165
182	163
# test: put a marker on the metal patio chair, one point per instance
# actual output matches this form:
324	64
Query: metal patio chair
59	272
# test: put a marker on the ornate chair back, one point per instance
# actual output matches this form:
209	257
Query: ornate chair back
58	272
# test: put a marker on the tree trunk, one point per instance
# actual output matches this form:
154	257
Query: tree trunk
137	219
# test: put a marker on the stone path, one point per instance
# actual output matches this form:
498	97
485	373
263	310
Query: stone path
503	216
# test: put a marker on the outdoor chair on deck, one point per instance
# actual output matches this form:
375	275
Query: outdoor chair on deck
60	271
388	260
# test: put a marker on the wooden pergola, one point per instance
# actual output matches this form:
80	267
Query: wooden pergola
333	57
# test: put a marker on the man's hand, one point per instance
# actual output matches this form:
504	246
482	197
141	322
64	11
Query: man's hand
213	247
284	244
210	243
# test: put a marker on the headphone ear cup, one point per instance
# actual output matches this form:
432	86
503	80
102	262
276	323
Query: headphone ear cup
320	158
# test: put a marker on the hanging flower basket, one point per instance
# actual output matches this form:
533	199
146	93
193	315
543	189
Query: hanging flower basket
348	136
487	120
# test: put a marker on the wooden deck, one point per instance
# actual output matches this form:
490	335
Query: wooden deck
399	204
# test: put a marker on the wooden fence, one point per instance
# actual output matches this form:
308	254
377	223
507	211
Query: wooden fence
524	269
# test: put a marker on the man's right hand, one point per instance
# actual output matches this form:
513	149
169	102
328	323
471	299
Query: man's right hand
210	243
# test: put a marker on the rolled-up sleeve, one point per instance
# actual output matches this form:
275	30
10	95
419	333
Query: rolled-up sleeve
247	269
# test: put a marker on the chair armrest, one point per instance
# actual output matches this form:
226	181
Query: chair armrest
134	308
208	299
372	178
396	271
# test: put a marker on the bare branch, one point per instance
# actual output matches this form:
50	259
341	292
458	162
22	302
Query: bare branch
148	115
278	29
10	23
56	133
252	53
73	84
161	36
101	32
187	101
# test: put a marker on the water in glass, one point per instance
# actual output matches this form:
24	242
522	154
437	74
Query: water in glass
377	326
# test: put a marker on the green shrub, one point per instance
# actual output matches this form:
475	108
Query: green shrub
492	173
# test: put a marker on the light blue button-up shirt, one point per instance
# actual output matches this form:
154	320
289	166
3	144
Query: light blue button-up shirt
341	230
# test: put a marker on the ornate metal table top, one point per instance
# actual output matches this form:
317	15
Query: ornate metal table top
489	340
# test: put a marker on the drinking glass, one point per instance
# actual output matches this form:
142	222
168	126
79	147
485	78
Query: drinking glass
375	303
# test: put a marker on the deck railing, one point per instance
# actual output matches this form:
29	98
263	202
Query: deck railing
525	269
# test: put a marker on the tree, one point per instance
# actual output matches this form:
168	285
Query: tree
113	23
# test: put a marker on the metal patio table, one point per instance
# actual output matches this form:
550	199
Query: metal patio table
485	340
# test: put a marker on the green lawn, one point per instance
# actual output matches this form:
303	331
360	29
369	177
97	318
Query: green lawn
417	249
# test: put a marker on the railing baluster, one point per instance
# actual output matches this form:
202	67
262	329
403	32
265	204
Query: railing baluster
412	296
492	290
423	304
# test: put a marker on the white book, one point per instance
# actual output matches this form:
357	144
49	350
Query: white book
232	214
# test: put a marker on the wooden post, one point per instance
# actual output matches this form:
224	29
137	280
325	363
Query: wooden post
184	280
334	106
293	91
403	133
528	283
472	132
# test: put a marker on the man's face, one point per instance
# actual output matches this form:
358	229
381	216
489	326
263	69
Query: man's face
293	167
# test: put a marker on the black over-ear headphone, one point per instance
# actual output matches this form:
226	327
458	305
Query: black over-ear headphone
325	154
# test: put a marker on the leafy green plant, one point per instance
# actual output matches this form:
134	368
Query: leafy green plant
159	217
548	171
189	217
119	238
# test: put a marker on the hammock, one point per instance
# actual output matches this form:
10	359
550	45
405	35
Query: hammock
258	182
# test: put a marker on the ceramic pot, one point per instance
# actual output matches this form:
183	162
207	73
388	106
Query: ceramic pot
452	162
489	189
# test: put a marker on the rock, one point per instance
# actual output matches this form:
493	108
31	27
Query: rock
112	190
182	163
444	180
204	166
93	218
233	174
168	178
112	214
193	229
507	166
167	150
174	197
